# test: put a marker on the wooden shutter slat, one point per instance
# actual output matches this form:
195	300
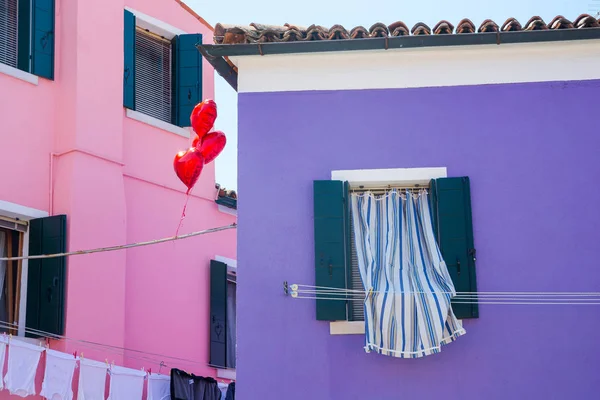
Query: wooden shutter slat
9	29
452	218
187	77
129	61
46	281
218	314
43	37
330	230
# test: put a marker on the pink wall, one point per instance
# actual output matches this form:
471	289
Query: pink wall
114	180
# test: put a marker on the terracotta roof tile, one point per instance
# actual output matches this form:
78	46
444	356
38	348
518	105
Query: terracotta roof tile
261	33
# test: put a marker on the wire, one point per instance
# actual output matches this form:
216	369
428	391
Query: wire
471	302
102	346
123	246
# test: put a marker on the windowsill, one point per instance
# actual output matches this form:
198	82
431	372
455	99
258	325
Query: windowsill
224	373
227	210
17	73
157	123
351	327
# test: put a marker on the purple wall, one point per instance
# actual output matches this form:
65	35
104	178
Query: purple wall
533	154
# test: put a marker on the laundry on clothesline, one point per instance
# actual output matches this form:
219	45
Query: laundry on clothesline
58	376
185	386
126	383
92	380
23	360
159	387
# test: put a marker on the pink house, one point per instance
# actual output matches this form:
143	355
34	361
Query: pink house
96	103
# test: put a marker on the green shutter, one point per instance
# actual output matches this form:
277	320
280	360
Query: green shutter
331	219
451	210
187	77
218	314
42	45
46	279
24	36
129	61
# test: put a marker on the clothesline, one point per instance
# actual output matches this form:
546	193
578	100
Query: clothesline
123	246
106	347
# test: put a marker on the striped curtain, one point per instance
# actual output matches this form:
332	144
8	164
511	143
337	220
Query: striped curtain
407	285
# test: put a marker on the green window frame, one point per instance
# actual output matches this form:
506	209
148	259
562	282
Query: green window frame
450	200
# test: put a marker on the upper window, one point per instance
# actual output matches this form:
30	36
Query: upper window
27	36
336	260
222	315
162	71
153	71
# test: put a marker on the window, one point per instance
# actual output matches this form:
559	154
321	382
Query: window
27	36
223	288
37	283
153	72
162	71
336	264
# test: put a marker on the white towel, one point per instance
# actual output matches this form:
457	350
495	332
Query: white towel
159	387
3	341
58	376
92	380
126	383
23	359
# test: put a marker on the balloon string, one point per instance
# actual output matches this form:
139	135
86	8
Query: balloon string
187	198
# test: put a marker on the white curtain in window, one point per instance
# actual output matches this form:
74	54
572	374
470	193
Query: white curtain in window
407	285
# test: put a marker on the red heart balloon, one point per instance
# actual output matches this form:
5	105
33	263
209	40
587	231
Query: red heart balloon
212	145
203	117
188	166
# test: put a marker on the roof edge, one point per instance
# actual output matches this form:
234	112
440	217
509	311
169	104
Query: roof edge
215	53
195	15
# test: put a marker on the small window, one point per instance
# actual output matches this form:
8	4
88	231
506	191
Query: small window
11	245
231	321
8	32
153	94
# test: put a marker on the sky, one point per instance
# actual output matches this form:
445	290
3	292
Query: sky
350	13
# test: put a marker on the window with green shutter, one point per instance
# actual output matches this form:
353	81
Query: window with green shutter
27	35
162	76
222	316
336	264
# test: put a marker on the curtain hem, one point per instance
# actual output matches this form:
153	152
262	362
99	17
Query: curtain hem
415	354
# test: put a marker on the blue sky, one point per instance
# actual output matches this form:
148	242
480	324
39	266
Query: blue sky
350	13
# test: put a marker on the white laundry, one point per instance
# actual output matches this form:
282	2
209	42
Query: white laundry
126	383
159	387
3	341
92	380
223	388
23	359
58	376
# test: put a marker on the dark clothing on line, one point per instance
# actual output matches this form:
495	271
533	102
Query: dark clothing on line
186	386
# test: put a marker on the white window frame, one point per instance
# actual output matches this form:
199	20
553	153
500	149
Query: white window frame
227	373
376	178
167	31
17	211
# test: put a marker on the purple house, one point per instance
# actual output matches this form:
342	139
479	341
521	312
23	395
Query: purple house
419	212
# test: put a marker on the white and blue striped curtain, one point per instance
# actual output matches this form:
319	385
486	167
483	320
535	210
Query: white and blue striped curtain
407	285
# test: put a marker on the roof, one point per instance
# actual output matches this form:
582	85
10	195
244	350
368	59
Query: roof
260	39
261	33
227	198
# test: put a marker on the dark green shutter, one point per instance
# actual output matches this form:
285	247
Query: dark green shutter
218	314
451	211
46	279
24	36
330	213
129	61
42	46
187	78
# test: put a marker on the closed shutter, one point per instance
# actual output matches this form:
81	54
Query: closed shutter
187	78
42	47
153	75
452	217
8	32
330	223
218	314
46	279
129	60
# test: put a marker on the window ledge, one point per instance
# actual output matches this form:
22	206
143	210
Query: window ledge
17	73
347	328
226	373
157	123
